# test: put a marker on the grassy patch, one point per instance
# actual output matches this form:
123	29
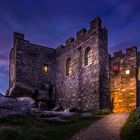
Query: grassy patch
131	129
33	128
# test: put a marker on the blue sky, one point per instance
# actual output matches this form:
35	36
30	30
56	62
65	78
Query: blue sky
51	22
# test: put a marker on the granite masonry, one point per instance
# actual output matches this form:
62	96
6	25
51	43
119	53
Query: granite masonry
124	80
76	74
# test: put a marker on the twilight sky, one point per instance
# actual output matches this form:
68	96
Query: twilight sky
51	22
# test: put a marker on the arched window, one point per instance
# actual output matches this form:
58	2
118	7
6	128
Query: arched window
88	56
68	67
45	68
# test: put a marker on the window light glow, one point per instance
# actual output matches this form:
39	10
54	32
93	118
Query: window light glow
88	56
68	67
46	69
127	72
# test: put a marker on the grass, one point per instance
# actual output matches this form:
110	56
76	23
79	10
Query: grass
131	129
33	128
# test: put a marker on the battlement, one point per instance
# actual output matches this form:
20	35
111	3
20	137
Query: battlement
96	23
70	41
80	34
95	26
19	39
95	31
18	36
129	51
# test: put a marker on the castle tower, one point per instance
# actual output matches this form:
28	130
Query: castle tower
79	69
88	85
124	80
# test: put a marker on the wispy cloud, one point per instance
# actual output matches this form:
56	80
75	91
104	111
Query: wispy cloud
51	22
3	60
3	71
3	74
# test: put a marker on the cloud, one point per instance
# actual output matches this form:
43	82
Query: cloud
3	60
4	72
51	22
3	84
3	65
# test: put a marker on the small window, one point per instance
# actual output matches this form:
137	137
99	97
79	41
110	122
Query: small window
45	69
127	72
88	56
68	67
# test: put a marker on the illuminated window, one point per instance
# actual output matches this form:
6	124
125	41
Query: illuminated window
68	67
45	69
88	56
127	72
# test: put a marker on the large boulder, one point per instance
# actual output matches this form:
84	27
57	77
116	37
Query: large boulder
43	95
43	106
58	108
41	113
47	94
27	101
11	106
8	103
73	109
86	115
20	89
58	120
1	95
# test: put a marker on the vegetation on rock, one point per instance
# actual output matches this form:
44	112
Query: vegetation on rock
34	128
131	129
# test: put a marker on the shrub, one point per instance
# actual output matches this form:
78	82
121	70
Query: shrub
102	112
8	133
36	137
131	129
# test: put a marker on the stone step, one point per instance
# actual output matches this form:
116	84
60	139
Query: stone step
41	113
58	120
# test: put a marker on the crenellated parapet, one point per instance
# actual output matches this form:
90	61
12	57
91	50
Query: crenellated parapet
118	54
95	30
129	52
70	41
123	80
18	36
96	23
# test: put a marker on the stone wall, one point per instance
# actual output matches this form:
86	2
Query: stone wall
123	77
12	68
29	60
88	86
104	69
138	78
84	87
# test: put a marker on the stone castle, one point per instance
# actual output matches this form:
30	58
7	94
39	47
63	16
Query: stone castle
79	74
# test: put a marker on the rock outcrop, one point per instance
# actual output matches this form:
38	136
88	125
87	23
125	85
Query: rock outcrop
13	106
26	101
20	89
1	95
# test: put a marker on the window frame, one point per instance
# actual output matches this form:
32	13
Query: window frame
88	56
68	67
45	68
